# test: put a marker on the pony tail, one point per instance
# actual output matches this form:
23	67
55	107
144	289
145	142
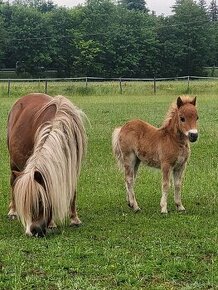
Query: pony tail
30	198
116	147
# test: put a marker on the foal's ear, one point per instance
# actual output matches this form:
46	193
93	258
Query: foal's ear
179	102
193	102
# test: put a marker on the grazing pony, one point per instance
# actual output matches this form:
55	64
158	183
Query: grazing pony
46	142
166	148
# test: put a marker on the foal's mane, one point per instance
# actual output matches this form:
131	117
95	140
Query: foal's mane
173	110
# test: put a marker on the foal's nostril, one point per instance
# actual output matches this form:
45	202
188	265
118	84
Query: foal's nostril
193	137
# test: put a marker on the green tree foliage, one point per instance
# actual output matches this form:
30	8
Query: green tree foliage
2	41
134	4
41	5
190	29
27	41
213	11
203	5
105	39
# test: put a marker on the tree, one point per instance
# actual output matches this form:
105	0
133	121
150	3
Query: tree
191	32
203	5
2	40
27	42
42	5
213	11
134	4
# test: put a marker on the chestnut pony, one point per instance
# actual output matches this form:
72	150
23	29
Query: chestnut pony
166	148
46	143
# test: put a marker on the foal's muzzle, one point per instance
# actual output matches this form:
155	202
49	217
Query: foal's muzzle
192	136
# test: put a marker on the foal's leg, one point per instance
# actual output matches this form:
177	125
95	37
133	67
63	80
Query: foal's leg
74	219
131	164
177	177
165	187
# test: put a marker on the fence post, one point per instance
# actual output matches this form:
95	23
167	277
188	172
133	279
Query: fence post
86	83
121	89
188	89
9	87
46	86
155	87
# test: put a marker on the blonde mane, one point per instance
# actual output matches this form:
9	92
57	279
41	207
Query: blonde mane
60	145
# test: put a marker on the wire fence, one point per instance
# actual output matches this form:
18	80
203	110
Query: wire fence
104	86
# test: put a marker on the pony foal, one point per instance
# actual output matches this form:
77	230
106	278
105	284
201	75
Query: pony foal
166	148
46	142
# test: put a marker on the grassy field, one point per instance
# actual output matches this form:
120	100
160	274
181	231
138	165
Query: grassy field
116	248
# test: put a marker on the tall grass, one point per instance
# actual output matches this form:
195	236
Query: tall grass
112	88
115	248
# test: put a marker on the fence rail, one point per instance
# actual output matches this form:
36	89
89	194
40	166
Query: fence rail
88	80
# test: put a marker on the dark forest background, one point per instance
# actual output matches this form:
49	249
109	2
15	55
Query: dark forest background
108	39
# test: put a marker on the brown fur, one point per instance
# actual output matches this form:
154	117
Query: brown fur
166	148
46	143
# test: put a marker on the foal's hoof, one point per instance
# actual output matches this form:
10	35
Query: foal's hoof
136	209
180	208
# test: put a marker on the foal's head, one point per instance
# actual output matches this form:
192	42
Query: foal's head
188	117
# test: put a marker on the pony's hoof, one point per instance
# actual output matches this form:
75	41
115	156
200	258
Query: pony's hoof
75	222
52	225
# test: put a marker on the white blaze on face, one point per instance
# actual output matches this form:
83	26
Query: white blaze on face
192	131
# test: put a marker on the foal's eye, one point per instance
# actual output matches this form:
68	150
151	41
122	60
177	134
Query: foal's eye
197	117
182	119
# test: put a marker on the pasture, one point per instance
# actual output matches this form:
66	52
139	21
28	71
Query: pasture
116	248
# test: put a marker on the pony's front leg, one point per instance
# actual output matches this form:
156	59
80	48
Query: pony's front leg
74	219
12	214
165	187
177	177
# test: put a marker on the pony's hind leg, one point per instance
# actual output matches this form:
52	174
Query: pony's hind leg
177	177
131	164
74	219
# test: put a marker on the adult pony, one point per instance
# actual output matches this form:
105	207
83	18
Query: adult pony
46	142
166	148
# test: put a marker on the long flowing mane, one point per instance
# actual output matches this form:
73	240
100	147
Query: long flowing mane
59	147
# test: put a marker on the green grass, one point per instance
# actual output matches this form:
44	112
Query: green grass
116	248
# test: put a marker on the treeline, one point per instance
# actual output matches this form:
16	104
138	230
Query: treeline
108	39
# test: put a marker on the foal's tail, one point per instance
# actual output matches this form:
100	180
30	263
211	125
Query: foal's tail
116	147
